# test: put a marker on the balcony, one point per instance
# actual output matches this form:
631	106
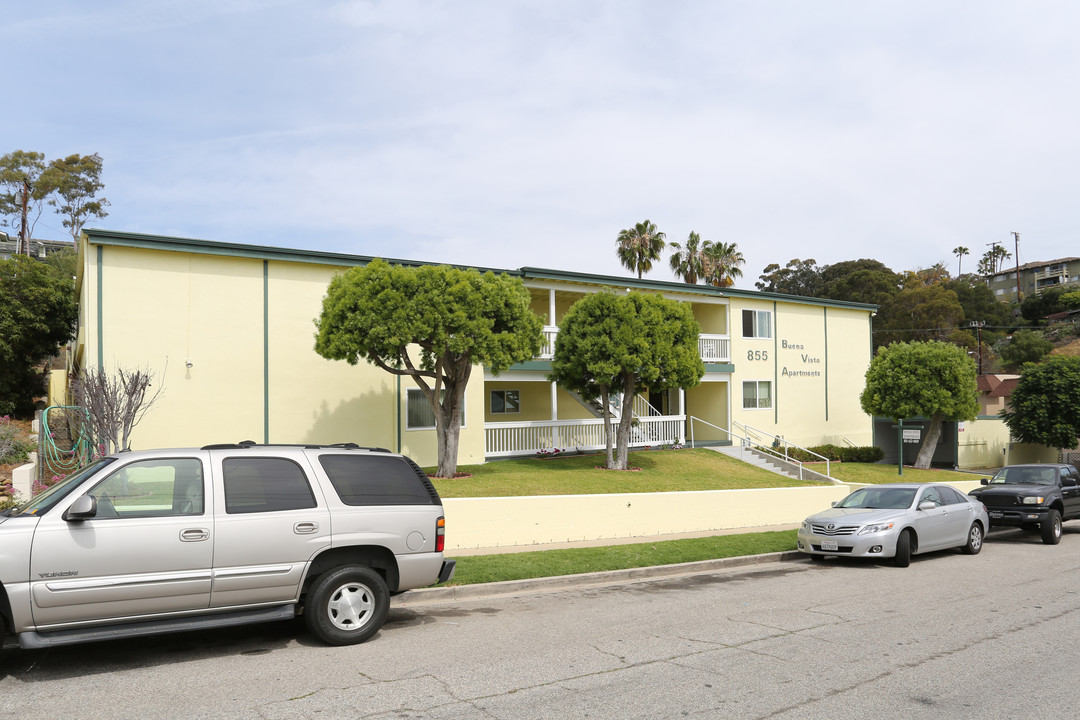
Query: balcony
713	348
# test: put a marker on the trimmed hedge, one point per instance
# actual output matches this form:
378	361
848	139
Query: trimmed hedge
868	454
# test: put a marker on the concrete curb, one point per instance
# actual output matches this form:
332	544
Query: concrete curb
431	596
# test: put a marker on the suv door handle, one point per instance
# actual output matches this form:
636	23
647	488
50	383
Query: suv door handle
305	528
194	534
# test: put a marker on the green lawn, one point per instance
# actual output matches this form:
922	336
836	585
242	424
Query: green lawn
549	563
658	471
878	473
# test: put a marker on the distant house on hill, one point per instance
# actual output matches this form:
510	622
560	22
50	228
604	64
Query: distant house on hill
38	248
1035	277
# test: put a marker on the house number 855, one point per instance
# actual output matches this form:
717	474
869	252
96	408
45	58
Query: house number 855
757	354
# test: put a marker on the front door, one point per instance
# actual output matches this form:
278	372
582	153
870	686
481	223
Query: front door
148	550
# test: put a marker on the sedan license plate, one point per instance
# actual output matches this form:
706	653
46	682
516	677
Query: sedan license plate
828	545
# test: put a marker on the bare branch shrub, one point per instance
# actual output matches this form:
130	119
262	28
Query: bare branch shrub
114	403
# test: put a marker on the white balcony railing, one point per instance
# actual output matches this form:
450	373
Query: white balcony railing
527	438
713	348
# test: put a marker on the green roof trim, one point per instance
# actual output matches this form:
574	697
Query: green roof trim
544	365
100	237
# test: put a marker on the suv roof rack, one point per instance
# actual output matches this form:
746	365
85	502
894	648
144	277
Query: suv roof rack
245	444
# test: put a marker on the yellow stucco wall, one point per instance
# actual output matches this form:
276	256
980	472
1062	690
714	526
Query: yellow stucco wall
164	310
237	335
816	361
511	521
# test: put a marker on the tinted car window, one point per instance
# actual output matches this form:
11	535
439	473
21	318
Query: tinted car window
374	480
931	494
950	496
265	485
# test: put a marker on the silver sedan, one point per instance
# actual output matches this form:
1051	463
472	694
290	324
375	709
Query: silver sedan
896	521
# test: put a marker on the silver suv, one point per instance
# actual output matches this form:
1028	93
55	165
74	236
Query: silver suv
148	542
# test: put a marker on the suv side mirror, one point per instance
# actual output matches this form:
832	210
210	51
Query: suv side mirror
83	508
1068	481
984	481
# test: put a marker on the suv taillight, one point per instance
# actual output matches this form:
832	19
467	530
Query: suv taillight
440	534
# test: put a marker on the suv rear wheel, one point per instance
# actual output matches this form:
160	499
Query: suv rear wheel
347	605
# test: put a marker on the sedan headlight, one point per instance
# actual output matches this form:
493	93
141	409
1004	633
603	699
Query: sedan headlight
875	528
806	526
1034	500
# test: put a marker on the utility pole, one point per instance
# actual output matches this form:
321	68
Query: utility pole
978	325
24	241
1016	237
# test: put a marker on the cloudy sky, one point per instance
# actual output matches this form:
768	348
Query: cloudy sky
509	133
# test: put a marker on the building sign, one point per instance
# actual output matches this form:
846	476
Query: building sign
912	436
811	364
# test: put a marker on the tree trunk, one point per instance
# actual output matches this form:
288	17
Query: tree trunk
605	399
929	444
622	448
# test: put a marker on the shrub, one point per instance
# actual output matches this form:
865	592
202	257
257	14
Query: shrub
13	449
865	454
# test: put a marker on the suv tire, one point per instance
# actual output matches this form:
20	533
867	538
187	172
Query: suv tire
1051	528
347	605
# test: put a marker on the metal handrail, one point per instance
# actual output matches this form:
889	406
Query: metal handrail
747	440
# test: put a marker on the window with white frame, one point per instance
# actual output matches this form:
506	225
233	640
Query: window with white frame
756	324
505	402
418	412
756	394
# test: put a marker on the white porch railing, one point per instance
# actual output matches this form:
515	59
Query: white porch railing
527	438
713	348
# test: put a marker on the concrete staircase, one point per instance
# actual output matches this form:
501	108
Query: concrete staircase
773	464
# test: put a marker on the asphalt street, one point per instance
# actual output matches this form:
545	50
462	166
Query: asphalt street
952	636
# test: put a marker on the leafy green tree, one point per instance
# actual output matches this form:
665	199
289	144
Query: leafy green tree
863	281
15	167
432	323
610	344
923	277
1024	347
928	312
798	277
929	379
960	252
1044	408
979	303
1036	307
639	246
688	263
722	263
37	314
1071	300
76	182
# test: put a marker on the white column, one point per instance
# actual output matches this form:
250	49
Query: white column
682	411
555	413
551	307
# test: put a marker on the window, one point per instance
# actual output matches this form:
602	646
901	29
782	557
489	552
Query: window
505	401
756	324
756	394
931	495
418	413
265	485
375	480
152	488
950	496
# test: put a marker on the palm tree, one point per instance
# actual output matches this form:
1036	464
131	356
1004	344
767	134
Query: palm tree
722	261
960	252
689	264
639	247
